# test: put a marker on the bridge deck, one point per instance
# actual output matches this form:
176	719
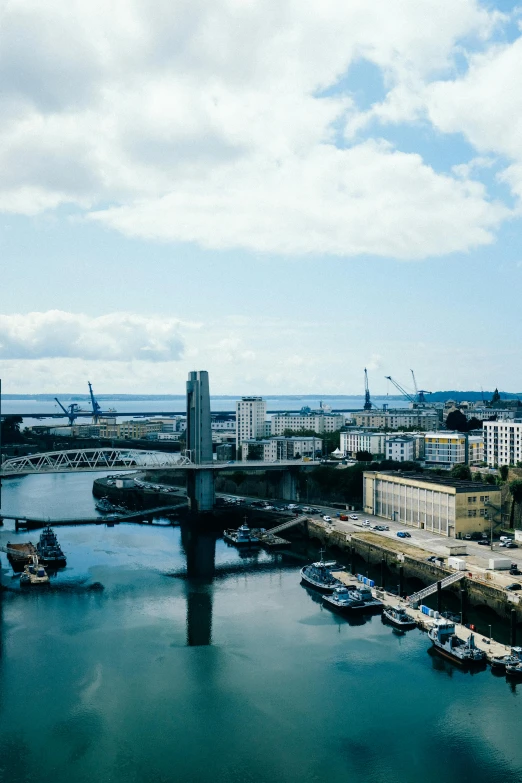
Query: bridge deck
135	516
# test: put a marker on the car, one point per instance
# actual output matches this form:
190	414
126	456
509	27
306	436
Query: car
291	506
514	586
385	527
400	534
367	523
483	542
326	518
268	508
467	537
515	571
314	511
377	527
354	516
431	559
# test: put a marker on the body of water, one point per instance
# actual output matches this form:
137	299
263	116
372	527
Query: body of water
198	663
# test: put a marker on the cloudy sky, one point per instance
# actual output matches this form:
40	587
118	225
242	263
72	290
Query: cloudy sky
280	191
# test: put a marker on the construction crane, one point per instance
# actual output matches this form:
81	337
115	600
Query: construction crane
401	390
96	407
367	400
71	411
419	393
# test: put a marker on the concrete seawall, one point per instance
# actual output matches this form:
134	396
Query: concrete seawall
374	550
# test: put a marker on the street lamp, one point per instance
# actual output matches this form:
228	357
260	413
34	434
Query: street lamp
490	633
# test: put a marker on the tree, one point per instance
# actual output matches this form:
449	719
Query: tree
11	429
515	487
461	472
474	424
504	470
457	421
364	456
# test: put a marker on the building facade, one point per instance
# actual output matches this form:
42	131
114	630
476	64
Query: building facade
250	419
444	449
400	448
444	506
273	449
315	422
422	419
352	441
502	442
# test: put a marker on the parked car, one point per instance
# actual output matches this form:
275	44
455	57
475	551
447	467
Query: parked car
367	523
467	537
403	534
326	518
514	586
354	516
343	517
515	571
431	559
483	542
385	527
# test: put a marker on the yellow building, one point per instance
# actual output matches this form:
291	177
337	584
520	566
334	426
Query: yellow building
446	506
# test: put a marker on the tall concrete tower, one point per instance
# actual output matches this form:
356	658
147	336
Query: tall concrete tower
200	482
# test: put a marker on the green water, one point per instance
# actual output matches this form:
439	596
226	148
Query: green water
230	672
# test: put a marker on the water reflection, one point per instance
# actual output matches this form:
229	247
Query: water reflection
200	550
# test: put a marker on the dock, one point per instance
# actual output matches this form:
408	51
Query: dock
143	516
492	648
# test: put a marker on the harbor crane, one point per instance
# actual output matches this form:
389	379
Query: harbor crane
419	393
401	390
367	400
96	407
71	411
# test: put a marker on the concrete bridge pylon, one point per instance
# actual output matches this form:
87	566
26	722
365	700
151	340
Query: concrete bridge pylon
200	483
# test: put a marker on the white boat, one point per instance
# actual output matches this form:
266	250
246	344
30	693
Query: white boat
500	663
514	670
242	537
399	617
342	600
447	643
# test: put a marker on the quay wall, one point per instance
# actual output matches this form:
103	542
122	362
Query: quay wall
478	591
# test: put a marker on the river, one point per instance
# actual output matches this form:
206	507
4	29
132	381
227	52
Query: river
197	664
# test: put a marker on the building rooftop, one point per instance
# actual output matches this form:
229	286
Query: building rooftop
459	484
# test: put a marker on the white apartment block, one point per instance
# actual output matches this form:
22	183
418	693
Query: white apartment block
400	448
423	418
250	419
273	449
502	442
444	449
316	422
353	441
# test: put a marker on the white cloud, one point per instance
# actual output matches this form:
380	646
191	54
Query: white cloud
208	122
115	337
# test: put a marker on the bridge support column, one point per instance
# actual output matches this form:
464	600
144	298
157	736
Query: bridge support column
200	490
288	486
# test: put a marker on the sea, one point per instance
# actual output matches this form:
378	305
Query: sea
162	655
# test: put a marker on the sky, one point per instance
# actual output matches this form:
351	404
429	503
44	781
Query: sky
280	192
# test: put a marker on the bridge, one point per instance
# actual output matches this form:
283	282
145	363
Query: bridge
82	460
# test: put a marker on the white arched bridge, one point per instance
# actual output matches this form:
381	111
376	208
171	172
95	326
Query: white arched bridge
127	459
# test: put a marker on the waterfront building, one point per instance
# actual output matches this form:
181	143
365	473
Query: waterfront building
129	430
443	449
400	448
273	449
314	421
394	419
250	419
445	506
502	442
352	441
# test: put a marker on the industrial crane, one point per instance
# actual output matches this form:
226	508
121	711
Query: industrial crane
96	407
367	400
71	411
400	389
419	393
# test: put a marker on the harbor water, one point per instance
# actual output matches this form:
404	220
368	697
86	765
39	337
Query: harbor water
162	654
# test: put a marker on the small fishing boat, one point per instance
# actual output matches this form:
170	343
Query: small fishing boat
319	575
447	643
398	617
34	574
499	663
341	600
242	537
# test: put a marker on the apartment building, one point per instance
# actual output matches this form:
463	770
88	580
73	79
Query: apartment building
422	418
400	448
445	506
127	430
502	442
443	449
273	449
315	421
352	441
250	419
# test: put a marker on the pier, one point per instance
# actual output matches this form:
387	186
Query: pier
142	516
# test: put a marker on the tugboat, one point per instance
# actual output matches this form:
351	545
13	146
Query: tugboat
34	574
447	643
242	537
49	550
341	600
399	617
319	575
501	663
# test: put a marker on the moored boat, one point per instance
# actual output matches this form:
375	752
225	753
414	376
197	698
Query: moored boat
34	574
341	600
447	643
242	537
398	617
319	576
20	555
514	670
363	593
500	663
49	550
